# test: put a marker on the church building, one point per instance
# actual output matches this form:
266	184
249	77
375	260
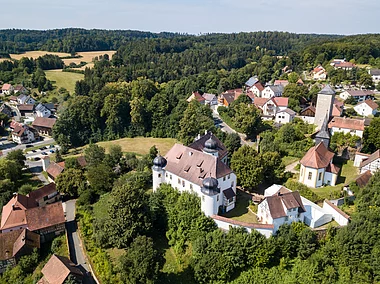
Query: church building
201	168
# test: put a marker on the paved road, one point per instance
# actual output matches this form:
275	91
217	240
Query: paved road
291	167
8	146
75	245
36	168
225	128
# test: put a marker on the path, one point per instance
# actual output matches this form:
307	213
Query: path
292	167
77	254
226	128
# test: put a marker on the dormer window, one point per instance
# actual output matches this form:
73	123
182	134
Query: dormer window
179	156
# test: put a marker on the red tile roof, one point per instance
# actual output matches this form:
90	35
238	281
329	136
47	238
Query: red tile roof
371	104
46	216
260	102
344	65
281	82
12	242
44	122
259	86
42	192
290	200
58	268
347	123
317	157
331	168
360	93
6	87
26	107
281	101
54	169
363	179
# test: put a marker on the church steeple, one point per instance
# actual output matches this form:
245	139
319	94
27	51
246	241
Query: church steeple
323	135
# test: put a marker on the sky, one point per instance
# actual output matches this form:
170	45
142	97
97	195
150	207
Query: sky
196	16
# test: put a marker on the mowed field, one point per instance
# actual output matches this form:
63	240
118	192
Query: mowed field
65	80
141	145
86	56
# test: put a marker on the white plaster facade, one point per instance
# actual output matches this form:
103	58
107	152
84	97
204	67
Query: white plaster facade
283	117
347	130
316	177
364	109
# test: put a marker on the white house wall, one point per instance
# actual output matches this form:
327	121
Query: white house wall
307	119
373	167
315	215
339	218
226	226
359	158
345	131
364	110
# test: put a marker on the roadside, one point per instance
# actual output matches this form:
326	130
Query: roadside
77	254
292	167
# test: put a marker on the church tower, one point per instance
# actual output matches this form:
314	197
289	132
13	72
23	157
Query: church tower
210	195
325	104
323	135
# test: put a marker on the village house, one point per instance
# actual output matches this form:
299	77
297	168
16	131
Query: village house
42	111
16	244
256	89
375	74
271	106
7	89
358	95
361	181
342	64
319	73
22	134
58	269
200	171
22	212
308	114
371	163
26	110
285	116
25	100
196	96
284	207
284	83
20	89
272	91
366	108
347	125
44	125
317	168
6	110
13	100
53	169
338	108
45	195
229	96
210	99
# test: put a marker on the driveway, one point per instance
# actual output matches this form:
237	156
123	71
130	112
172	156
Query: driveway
77	254
292	167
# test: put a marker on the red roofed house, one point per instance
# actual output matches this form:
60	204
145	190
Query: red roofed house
44	125
372	163
347	125
7	89
281	208
22	134
53	169
366	108
15	244
196	96
337	108
257	88
22	212
58	269
344	65
319	73
270	107
281	82
317	168
45	195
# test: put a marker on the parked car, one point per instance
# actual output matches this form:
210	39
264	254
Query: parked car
28	146
37	158
44	153
52	151
52	146
34	151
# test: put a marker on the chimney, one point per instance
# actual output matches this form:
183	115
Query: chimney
13	207
14	194
205	132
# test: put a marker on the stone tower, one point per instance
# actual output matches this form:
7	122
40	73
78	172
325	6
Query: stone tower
324	107
158	169
323	135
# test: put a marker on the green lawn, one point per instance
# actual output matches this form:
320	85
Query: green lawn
100	207
241	212
65	80
347	174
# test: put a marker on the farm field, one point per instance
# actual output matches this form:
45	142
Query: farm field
65	80
37	53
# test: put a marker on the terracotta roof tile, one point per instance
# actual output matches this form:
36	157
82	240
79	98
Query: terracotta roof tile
373	105
26	107
6	87
55	169
281	101
260	102
317	157
43	217
58	268
43	191
290	200
363	179
44	122
26	238
347	123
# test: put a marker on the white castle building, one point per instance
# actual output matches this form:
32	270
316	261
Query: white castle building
200	168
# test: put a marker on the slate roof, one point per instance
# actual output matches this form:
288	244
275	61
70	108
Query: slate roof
324	131
44	122
374	72
229	97
290	200
58	268
370	159
360	93
193	165
347	123
199	144
317	157
229	193
277	88
46	216
327	90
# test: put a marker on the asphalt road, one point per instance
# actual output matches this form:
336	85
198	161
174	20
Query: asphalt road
8	146
75	245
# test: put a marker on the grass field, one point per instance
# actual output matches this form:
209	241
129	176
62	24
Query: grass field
141	145
241	212
347	175
65	80
287	160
